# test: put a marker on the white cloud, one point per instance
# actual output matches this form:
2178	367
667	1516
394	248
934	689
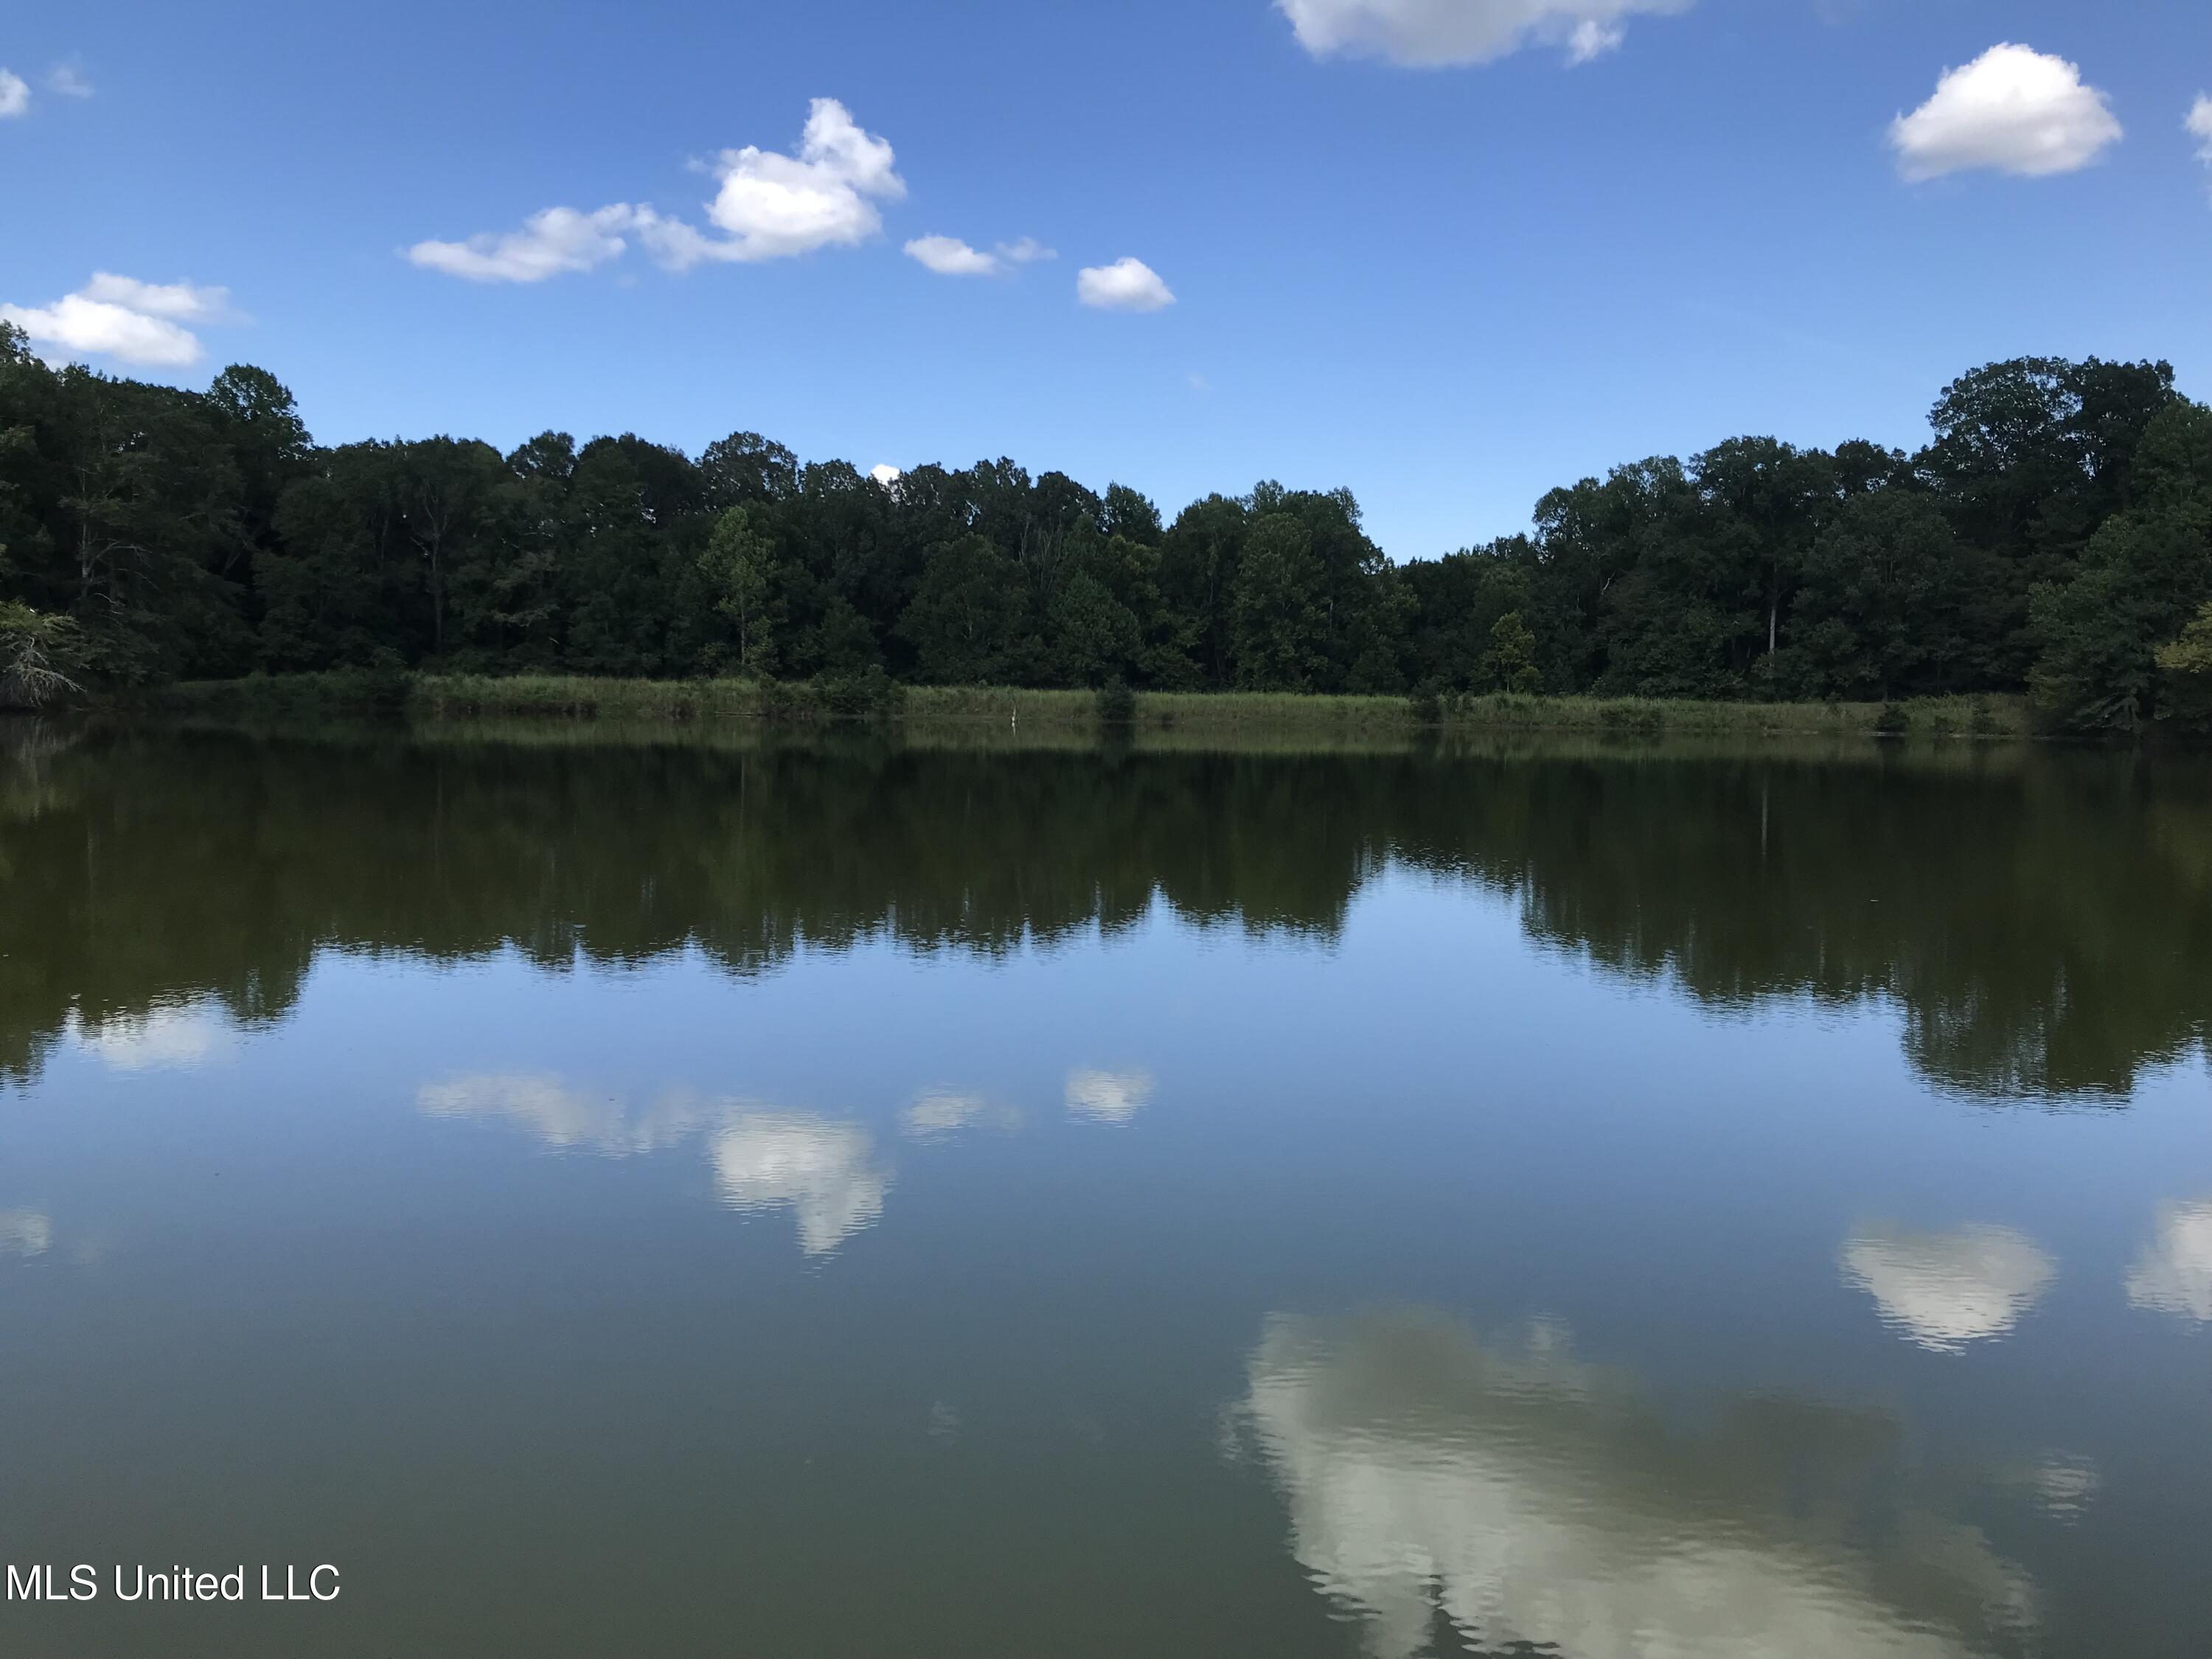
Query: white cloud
122	318
1943	1290
768	206
948	255
1425	34
2013	109
14	96
1027	251
68	80
2174	1274
1109	1097
163	1036
179	302
2200	126
549	243
1592	39
885	474
1125	285
772	206
1525	1498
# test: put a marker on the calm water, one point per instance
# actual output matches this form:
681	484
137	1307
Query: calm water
866	1201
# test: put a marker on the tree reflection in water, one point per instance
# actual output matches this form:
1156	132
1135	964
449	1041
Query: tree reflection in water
2043	920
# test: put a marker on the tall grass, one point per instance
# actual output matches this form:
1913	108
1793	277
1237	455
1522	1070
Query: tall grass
1189	715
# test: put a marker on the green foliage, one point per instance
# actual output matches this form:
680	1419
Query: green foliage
1510	663
2055	530
2142	577
1117	705
2185	667
738	565
967	619
1281	621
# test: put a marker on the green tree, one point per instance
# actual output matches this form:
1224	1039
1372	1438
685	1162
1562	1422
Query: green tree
738	561
2185	667
1281	629
1510	663
1094	636
2143	578
1876	616
967	622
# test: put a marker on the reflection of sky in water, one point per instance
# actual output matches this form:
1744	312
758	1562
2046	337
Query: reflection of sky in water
1473	1147
25	1232
1529	1498
2174	1273
1944	1291
166	1034
1108	1097
936	1114
820	1169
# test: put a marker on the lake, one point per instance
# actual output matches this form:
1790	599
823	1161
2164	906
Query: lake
872	1198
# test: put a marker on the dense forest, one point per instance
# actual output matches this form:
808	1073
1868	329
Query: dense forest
2054	536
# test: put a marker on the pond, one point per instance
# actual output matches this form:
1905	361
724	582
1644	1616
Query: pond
879	1197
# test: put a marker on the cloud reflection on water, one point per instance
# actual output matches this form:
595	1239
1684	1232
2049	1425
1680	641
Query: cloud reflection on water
1525	1497
1943	1290
166	1034
821	1169
1109	1097
26	1232
2174	1273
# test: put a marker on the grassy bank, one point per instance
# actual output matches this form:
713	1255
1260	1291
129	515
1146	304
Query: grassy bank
1195	715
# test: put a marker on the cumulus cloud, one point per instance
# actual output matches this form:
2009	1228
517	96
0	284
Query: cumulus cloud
2200	126
1526	1499
1125	285
820	1169
14	96
885	474
120	316
164	1036
180	302
549	243
768	206
1944	1291
772	206
1109	1097
2013	109
2174	1273
1592	39
1427	33
68	81
948	255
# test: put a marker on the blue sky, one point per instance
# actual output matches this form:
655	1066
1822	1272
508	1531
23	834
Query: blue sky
1447	284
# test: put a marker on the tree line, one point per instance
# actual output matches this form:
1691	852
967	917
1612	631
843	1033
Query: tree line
2054	537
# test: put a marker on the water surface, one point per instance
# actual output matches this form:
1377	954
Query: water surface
870	1199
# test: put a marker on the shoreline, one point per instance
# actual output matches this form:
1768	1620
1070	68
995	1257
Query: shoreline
563	699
